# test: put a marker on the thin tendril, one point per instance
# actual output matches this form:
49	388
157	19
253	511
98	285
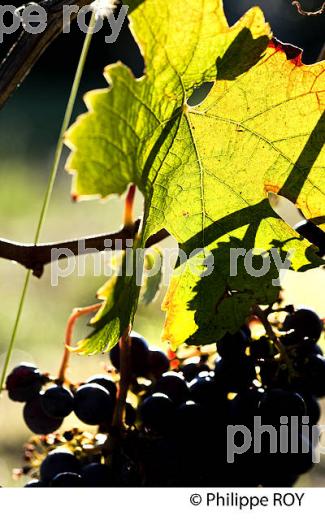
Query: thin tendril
49	189
303	12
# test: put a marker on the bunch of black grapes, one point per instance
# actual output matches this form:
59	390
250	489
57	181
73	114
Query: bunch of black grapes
176	432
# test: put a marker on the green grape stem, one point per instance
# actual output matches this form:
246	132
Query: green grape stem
125	376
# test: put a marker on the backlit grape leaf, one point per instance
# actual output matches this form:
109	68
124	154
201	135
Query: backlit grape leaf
120	294
205	170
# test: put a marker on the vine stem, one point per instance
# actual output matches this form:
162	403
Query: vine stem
125	375
36	257
50	184
68	348
124	341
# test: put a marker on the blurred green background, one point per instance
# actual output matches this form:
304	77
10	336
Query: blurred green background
29	125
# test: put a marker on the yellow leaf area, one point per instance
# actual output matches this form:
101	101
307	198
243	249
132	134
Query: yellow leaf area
266	133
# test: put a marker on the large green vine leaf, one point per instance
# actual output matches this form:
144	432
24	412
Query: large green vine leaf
205	170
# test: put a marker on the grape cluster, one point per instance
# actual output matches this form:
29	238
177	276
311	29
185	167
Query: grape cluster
178	412
49	401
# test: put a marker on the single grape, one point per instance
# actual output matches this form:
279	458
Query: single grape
57	401
37	420
105	381
244	407
97	475
66	480
313	410
277	402
114	355
157	412
261	348
191	370
158	362
305	323
235	375
139	355
174	385
233	346
24	383
68	435
93	404
312	371
58	461
189	421
202	390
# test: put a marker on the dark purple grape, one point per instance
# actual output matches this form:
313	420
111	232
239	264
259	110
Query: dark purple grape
245	406
37	420
189	421
312	372
191	370
313	410
233	346
305	323
158	362
57	401
309	348
97	475
105	381
300	347
174	385
235	375
277	402
68	435
139	355
202	390
261	348
24	383
157	413
93	404
67	480
58	461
